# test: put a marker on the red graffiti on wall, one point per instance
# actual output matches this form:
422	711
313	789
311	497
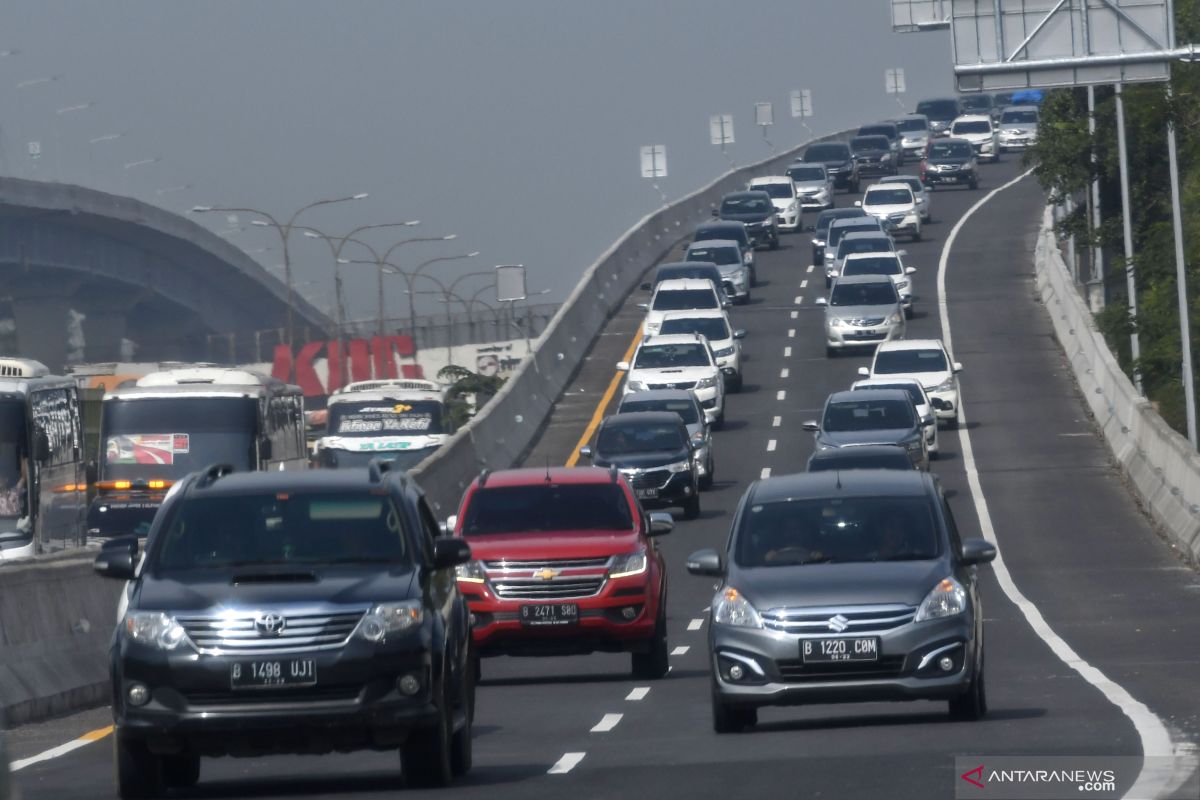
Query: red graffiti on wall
367	359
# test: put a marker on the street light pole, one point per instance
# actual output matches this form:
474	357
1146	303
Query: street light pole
416	273
446	293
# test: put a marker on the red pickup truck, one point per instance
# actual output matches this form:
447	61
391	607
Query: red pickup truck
565	563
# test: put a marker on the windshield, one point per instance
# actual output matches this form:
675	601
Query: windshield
12	459
972	126
950	150
683	299
837	530
686	409
876	130
938	109
976	102
913	391
712	328
912	125
888	197
877	265
376	418
725	230
869	143
746	205
279	528
780	191
898	362
867	415
717	255
865	244
827	218
548	507
847	458
665	356
168	437
1019	117
336	458
620	440
806	174
836	232
876	293
831	151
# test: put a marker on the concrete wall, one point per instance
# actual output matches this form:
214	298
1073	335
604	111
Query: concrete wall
1159	463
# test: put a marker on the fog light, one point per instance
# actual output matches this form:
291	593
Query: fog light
408	684
138	694
687	491
736	672
471	620
946	663
629	612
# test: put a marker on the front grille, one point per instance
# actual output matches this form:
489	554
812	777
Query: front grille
562	563
858	619
796	671
555	589
679	385
653	479
308	694
236	632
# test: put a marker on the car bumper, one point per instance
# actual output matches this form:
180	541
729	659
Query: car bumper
906	227
1018	143
775	674
876	168
838	338
842	179
788	222
816	201
948	177
730	366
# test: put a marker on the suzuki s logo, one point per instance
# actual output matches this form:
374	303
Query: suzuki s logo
270	624
838	623
546	574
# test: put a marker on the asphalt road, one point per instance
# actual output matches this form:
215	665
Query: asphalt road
1089	565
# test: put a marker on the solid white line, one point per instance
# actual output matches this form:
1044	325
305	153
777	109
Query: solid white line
791	333
804	284
783	373
638	693
766	473
787	352
695	625
681	650
770	445
62	749
776	422
607	723
1156	740
781	394
565	764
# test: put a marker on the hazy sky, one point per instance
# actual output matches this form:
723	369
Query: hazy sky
512	123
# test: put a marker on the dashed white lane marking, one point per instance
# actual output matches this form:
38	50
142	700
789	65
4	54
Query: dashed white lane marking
607	723
787	352
799	299
781	394
681	650
791	333
1155	780
795	314
776	422
804	284
61	750
766	473
565	764
783	373
770	445
695	625
810	268
638	693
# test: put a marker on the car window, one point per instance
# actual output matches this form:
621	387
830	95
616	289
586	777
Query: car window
1023	117
910	388
702	269
836	232
686	409
938	109
837	530
827	152
950	150
780	191
888	197
976	102
547	507
914	184
876	293
844	458
746	205
802	174
683	299
879	130
893	362
972	126
712	328
867	415
717	255
615	440
882	265
665	356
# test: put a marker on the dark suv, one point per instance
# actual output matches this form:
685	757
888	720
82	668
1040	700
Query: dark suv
873	155
950	161
290	612
654	452
844	587
889	129
755	209
838	161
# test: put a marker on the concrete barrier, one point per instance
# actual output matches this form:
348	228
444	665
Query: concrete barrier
1158	462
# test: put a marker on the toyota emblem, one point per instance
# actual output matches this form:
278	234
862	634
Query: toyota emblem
270	624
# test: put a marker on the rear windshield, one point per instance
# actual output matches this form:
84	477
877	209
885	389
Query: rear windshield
666	356
888	197
836	232
830	151
875	293
826	218
712	328
1029	117
846	458
803	174
617	440
913	391
867	415
976	102
717	255
780	191
950	150
872	130
881	265
547	507
911	125
869	143
866	244
746	205
686	409
683	299
938	109
837	530
281	529
972	126
702	269
899	362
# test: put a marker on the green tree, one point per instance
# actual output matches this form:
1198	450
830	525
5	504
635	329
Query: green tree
463	384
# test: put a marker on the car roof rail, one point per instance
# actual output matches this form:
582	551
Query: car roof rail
483	476
613	472
212	473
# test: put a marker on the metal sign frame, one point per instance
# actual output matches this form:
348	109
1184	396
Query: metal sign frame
801	101
654	161
910	16
720	129
510	283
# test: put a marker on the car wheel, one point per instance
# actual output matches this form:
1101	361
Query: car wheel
139	772
732	719
425	755
972	705
736	384
654	664
691	508
181	772
460	743
908	313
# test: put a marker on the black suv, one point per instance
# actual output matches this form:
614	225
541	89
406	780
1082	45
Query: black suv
950	161
889	129
756	210
838	161
873	155
290	612
654	452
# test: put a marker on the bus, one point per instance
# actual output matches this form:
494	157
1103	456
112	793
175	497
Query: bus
43	480
402	419
177	421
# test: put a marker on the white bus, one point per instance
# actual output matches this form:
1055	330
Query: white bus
401	419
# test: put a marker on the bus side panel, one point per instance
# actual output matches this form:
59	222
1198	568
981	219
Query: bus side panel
283	426
58	488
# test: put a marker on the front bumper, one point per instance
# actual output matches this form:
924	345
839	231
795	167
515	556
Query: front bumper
788	222
820	200
885	167
957	176
1017	142
869	336
761	235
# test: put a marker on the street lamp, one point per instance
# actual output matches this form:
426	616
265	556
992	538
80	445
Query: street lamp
447	292
416	273
381	260
284	229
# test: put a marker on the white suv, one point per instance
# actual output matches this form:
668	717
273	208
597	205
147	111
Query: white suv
722	337
788	211
678	361
679	294
894	205
979	131
928	362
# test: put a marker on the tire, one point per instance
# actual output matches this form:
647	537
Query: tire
425	756
972	705
908	313
655	664
736	384
706	482
691	508
461	740
831	352
952	423
139	773
732	719
916	237
181	772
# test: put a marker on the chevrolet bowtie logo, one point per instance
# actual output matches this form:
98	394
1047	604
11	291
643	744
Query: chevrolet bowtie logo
546	574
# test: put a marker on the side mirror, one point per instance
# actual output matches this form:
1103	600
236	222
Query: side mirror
450	552
447	527
740	333
901	252
978	551
957	366
117	558
622	366
938	403
928	420
858	203
264	449
821	301
586	452
909	270
41	447
864	372
811	425
645	287
660	522
706	562
644	306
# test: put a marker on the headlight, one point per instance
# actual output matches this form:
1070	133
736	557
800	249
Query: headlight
901	284
635	386
628	564
837	322
388	618
733	609
652	327
707	383
723	352
946	385
898	217
913	445
470	572
679	466
947	599
154	628
895	318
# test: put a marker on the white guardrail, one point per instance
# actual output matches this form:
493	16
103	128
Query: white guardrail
509	424
1158	462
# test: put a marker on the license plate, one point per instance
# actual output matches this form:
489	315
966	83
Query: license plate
829	651
274	673
647	494
550	614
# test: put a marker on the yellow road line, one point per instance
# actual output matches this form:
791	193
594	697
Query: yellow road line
605	399
96	735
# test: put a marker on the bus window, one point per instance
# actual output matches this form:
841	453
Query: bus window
168	437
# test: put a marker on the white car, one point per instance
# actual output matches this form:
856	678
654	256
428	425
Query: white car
914	135
920	400
814	187
730	259
927	361
678	361
894	205
858	242
788	213
883	264
723	338
979	131
679	294
1018	127
920	192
